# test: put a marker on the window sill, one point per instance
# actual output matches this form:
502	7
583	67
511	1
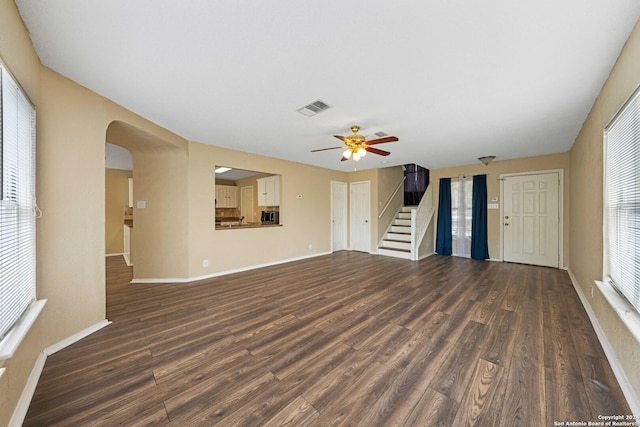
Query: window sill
10	343
629	316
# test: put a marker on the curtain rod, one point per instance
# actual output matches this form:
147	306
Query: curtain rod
456	177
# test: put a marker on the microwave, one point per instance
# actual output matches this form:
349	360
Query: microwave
270	217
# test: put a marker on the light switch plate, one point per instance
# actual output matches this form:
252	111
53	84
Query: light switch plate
141	204
493	206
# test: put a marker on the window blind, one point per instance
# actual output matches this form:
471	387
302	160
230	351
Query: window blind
17	202
622	201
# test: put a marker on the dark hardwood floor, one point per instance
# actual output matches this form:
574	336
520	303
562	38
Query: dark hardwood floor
343	339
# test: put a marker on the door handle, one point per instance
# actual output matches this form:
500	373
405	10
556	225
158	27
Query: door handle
366	221
506	217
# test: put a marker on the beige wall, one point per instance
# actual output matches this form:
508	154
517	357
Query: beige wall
306	220
159	236
174	176
116	200
160	177
493	172
586	204
388	180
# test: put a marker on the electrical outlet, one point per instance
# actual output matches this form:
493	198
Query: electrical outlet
310	246
205	263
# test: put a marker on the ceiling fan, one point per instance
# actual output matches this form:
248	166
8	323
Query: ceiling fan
358	146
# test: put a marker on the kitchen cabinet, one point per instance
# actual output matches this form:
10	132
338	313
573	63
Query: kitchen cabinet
269	191
226	196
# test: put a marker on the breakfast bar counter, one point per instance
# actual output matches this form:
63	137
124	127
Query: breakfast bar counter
236	226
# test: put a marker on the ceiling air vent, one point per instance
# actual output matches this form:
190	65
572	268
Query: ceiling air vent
381	134
314	108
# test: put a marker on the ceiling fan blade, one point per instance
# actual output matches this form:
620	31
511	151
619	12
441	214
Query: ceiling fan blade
324	149
341	138
376	151
382	140
343	159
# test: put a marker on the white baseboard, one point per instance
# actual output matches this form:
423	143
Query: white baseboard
75	337
427	255
117	254
618	370
224	273
20	412
27	393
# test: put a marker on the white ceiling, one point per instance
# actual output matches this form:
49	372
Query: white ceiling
453	80
236	174
117	158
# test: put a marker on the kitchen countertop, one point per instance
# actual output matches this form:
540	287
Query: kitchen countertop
245	225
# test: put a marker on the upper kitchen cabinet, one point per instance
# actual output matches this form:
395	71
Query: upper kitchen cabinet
226	196
269	191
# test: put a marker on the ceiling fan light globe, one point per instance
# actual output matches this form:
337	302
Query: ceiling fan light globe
356	157
361	152
346	154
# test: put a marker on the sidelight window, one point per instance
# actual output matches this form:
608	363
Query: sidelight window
461	214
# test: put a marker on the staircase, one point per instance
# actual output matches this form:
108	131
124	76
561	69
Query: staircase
397	239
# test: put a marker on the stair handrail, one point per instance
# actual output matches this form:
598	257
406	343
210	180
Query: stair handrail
420	219
392	196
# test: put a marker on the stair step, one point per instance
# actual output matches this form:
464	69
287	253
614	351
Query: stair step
397	239
396	244
402	237
400	229
394	253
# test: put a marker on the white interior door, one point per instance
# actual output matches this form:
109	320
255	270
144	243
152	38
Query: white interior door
339	213
531	219
360	214
246	204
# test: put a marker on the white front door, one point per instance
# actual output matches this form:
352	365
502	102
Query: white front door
360	213
531	220
339	213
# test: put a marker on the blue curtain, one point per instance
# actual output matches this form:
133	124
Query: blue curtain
443	233
479	245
